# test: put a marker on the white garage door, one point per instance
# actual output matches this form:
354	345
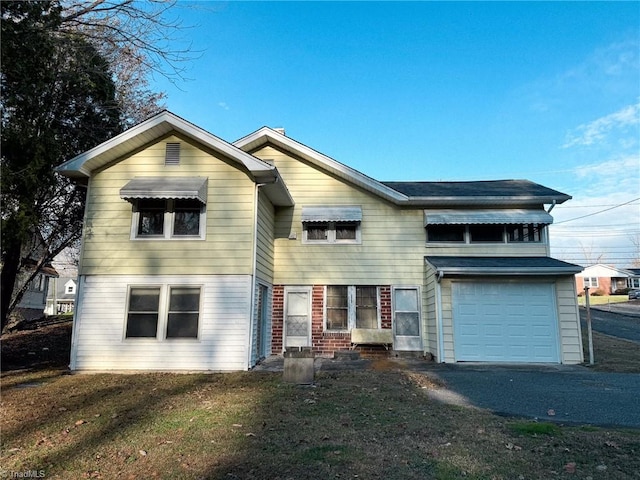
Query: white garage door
505	322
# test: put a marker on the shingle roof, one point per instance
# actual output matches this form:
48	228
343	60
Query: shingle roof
502	265
491	188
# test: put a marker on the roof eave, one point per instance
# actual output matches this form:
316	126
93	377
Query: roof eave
267	136
492	201
148	131
500	271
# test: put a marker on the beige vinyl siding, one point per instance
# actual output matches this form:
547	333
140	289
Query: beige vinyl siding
227	249
569	321
448	349
393	240
430	315
523	249
99	326
265	238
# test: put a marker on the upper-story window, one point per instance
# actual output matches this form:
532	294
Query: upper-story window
168	218
486	226
484	233
331	224
167	207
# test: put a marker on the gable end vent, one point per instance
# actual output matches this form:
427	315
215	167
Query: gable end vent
172	154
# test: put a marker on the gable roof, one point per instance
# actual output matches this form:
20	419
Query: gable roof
427	194
161	125
268	136
605	271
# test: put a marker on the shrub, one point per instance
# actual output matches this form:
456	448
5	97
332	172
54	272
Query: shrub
598	293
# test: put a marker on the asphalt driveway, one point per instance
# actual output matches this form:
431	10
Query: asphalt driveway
618	320
558	393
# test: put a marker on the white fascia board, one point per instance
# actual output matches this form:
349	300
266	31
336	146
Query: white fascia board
266	135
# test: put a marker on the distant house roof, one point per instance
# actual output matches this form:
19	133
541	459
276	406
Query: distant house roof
605	271
458	265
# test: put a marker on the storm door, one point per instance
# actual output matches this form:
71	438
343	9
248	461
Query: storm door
297	317
406	319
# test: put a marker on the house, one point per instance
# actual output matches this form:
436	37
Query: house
199	254
61	296
34	300
633	281
605	280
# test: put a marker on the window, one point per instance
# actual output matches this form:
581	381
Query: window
162	218
331	232
524	233
446	233
142	319
591	282
485	233
174	310
633	282
366	307
348	307
184	310
70	289
337	302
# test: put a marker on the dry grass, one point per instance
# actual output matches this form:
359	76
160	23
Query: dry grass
612	354
371	424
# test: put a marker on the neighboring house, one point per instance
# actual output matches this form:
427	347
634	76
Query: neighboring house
34	301
634	279
605	280
61	296
200	254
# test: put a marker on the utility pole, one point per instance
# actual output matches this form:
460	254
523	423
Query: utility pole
589	331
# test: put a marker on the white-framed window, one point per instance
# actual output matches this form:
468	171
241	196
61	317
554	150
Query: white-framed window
485	233
349	306
162	219
70	289
633	282
591	282
163	312
331	232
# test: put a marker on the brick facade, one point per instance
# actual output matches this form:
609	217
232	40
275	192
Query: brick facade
325	343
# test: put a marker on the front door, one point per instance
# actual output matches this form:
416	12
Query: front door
297	317
406	319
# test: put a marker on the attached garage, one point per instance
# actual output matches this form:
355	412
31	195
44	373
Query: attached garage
504	309
505	322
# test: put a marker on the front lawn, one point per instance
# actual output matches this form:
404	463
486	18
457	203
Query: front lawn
602	299
374	423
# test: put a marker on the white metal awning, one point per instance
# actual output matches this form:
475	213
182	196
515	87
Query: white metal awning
477	217
332	214
189	188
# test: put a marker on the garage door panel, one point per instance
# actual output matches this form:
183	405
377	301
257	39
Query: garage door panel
504	322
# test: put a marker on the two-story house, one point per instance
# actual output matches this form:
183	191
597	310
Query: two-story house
199	254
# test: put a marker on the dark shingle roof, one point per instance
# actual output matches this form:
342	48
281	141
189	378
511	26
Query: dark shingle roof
491	188
502	265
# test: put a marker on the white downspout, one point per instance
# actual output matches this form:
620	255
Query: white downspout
254	270
439	324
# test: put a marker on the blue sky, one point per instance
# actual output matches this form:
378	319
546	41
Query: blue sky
546	91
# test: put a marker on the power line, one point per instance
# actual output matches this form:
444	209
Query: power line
596	213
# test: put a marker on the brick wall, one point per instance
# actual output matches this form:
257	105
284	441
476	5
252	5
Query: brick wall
326	343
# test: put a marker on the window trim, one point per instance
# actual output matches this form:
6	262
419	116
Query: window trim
168	224
588	282
331	233
351	308
163	313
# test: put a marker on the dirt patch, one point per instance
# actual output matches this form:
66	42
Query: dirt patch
47	346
